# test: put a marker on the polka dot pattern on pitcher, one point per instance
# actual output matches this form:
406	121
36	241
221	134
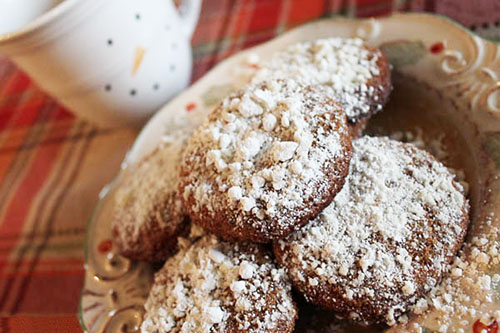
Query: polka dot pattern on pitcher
146	66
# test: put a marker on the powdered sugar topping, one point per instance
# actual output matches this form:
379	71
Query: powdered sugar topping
266	153
150	192
211	286
389	233
470	292
343	65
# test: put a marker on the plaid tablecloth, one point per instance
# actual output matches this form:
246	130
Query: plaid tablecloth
52	165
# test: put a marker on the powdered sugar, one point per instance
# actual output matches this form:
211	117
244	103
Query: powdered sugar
387	236
343	65
435	146
212	286
267	154
472	273
148	200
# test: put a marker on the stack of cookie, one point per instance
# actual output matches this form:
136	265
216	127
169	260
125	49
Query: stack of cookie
361	226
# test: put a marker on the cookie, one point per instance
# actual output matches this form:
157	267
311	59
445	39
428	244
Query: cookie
357	129
148	215
267	160
314	319
215	286
386	239
355	74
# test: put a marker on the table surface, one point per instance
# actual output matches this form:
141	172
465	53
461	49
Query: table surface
53	165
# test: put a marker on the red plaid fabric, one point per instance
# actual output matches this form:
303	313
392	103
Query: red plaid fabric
52	165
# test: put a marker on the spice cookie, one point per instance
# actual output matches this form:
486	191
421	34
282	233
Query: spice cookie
148	215
356	75
267	160
215	286
385	240
357	129
314	319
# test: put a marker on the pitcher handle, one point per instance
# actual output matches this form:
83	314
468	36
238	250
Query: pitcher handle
189	11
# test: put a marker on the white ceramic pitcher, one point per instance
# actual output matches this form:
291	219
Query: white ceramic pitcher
112	62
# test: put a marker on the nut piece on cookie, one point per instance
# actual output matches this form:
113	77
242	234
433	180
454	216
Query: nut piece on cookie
266	161
214	286
385	240
356	75
148	215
